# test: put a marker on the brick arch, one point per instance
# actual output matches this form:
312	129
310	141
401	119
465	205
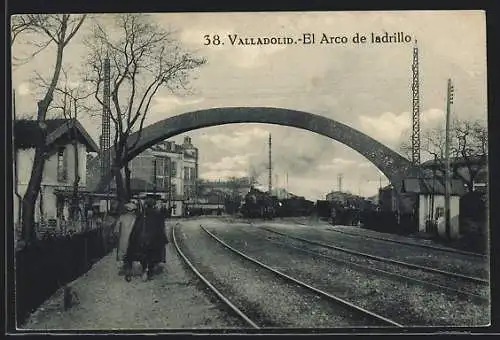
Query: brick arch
394	166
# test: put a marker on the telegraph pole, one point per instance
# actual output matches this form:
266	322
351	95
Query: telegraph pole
270	167
447	190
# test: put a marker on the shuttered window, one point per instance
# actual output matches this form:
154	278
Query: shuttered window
62	166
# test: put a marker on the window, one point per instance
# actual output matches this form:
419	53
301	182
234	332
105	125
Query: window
173	167
159	166
62	169
166	162
439	212
186	173
174	189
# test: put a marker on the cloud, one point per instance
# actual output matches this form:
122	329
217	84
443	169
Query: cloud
430	118
387	127
164	106
237	139
336	163
228	166
237	162
392	128
172	102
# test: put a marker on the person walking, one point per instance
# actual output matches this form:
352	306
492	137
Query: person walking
124	228
149	238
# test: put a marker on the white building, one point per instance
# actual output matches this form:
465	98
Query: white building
59	170
430	203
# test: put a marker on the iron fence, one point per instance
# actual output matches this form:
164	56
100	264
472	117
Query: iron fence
44	266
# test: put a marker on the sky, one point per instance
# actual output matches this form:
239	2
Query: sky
366	86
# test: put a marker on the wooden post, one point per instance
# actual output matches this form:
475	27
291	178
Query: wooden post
447	162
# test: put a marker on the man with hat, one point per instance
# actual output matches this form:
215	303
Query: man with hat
149	235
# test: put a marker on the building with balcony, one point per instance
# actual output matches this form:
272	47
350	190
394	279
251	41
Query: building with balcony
168	170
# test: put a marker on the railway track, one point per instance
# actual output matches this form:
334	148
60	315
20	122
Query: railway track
320	292
456	276
222	298
404	278
317	293
427	246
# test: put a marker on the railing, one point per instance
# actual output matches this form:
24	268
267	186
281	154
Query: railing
46	265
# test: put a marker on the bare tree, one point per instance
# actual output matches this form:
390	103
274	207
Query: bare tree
68	104
406	149
471	144
143	58
468	147
58	30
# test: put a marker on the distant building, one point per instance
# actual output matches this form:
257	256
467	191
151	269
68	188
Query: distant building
169	170
236	186
53	202
343	198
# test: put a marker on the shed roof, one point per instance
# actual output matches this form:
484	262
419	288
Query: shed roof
432	186
455	161
27	133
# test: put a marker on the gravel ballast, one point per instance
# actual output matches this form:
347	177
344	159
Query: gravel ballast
267	299
452	262
460	284
406	303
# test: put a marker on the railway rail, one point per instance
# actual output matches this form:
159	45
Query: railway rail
475	280
404	278
222	298
428	246
321	293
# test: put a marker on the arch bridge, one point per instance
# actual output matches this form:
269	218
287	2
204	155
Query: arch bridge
394	166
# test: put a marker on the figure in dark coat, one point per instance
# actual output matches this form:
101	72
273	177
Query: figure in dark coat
148	239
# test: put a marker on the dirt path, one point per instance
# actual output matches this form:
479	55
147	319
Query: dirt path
173	299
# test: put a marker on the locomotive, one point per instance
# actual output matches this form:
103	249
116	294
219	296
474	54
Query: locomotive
348	212
259	204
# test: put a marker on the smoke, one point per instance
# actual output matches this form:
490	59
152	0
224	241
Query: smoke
256	172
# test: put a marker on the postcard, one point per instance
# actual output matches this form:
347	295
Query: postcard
250	171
